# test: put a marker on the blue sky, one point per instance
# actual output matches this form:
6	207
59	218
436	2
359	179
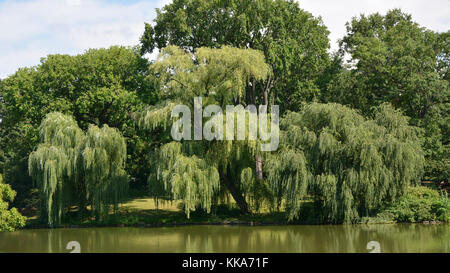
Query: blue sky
31	29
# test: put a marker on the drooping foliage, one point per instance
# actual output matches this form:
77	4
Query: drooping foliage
103	155
73	168
193	170
347	164
54	163
10	218
188	177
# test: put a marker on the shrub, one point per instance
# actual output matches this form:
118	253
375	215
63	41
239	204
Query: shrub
10	219
384	217
420	204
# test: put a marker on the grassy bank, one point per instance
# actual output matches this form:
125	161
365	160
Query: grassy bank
419	205
144	212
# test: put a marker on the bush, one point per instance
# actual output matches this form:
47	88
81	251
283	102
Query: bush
420	204
10	219
384	217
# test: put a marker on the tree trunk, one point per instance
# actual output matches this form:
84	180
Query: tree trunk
266	98
236	193
258	167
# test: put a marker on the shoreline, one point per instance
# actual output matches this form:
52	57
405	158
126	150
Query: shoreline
222	223
176	224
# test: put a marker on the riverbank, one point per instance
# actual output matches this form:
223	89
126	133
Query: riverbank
250	220
164	219
144	212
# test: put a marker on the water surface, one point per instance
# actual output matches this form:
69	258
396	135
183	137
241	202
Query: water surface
289	238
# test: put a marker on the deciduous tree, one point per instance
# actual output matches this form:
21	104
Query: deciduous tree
72	168
393	59
293	41
190	170
347	164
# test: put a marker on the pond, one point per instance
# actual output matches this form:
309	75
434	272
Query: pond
210	238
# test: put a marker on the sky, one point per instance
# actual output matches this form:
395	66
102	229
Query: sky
32	29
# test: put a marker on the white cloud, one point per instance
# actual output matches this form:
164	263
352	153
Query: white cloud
73	2
432	14
32	29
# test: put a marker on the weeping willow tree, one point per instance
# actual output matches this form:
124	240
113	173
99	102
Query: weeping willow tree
103	155
54	164
71	167
201	173
347	164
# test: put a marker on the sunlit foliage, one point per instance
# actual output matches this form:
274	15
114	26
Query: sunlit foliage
194	171
394	59
99	86
10	219
71	167
347	164
293	41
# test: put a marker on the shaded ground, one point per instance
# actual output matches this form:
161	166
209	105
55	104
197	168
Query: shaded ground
144	212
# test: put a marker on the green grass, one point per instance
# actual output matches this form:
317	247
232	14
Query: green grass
143	212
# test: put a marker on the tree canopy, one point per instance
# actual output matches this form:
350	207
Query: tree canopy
395	60
293	41
193	170
100	86
71	168
347	164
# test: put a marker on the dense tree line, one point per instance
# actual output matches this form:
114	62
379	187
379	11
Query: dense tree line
101	86
395	60
357	126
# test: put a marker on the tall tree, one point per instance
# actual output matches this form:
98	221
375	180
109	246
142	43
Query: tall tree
193	170
293	41
347	164
392	59
74	168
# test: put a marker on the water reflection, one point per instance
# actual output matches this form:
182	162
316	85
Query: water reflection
393	238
